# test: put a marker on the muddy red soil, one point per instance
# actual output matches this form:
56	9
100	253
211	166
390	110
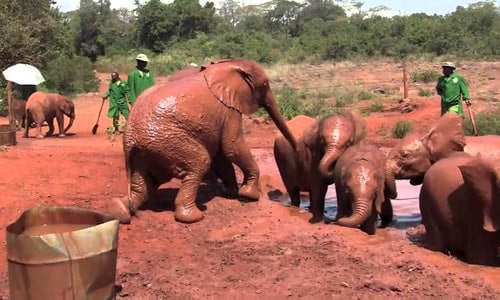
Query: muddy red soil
257	249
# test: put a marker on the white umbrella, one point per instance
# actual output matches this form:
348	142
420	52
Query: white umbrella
23	74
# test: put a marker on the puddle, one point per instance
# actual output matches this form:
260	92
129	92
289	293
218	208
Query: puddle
406	206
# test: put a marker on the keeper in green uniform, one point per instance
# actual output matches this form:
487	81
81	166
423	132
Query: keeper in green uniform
139	79
117	93
452	87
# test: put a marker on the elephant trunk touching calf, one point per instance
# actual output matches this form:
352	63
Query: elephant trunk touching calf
320	143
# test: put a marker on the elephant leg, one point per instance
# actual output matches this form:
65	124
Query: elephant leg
387	214
60	125
39	134
50	122
237	151
28	120
434	239
317	195
294	193
286	168
140	187
343	209
370	225
482	249
225	171
186	210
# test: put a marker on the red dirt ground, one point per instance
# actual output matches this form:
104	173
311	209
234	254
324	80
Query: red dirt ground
259	249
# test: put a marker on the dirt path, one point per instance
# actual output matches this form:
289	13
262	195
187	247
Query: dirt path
261	249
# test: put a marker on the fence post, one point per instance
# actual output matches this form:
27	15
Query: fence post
405	80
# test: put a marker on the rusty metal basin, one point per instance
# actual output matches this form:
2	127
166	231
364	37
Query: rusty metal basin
62	253
7	135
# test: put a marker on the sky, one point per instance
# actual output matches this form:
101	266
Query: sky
426	6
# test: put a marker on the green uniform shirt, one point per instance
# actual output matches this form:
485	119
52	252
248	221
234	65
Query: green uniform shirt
138	81
451	89
117	93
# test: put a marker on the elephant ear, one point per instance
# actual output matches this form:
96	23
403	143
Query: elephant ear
445	137
232	85
482	181
311	135
64	104
359	123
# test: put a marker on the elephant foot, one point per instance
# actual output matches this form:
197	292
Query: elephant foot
230	193
25	136
40	136
188	215
250	192
119	209
316	219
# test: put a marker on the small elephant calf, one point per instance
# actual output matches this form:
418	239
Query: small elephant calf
363	190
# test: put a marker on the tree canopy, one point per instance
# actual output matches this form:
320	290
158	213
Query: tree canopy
184	31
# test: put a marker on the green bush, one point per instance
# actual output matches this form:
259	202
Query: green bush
401	129
487	123
69	76
426	76
376	106
288	100
424	92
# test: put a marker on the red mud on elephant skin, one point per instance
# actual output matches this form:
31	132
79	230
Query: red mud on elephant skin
252	250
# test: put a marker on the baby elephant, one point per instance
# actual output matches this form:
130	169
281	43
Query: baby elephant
42	107
460	206
363	190
319	144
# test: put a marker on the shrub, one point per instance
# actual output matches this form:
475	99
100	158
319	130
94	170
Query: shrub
288	100
426	76
487	123
376	106
68	76
424	92
401	129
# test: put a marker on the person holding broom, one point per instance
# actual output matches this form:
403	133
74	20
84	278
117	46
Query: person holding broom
452	87
117	92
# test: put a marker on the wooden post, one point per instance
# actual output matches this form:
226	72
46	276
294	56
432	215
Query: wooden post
9	103
405	81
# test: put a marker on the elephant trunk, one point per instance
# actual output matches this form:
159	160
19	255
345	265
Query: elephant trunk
273	110
362	209
327	163
71	120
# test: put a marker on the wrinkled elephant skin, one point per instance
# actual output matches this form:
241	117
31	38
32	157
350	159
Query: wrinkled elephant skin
44	107
460	206
362	192
320	143
176	129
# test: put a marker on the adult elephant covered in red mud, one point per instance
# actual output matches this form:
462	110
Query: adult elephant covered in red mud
175	130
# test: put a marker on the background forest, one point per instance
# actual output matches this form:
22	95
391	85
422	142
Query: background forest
70	47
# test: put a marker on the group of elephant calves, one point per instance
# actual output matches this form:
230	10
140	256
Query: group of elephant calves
43	107
460	176
191	126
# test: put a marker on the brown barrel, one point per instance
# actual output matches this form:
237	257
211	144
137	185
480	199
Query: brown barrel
7	135
77	264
